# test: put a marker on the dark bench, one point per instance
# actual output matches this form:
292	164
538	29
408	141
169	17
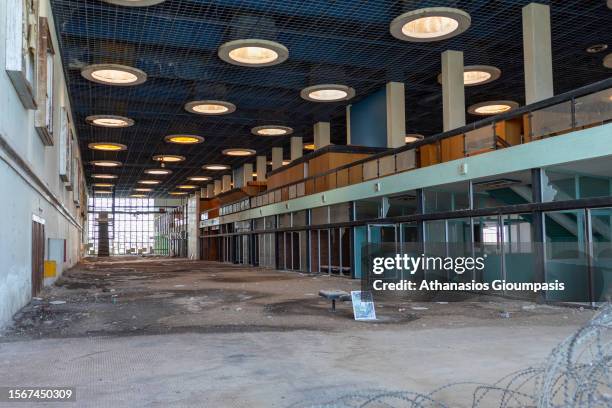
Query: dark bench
334	295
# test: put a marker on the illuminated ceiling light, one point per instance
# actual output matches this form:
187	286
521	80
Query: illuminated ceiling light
327	93
106	163
216	167
478	74
430	24
168	158
149	182
309	146
102	192
253	53
103	185
143	190
285	162
158	172
492	107
186	187
239	152
254	175
134	3
607	62
107	147
271	130
595	48
109	121
199	178
184	139
104	176
138	195
114	74
178	193
413	137
210	107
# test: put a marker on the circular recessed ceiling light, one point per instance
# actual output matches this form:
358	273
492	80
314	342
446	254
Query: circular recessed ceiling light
492	107
271	130
158	172
210	107
138	195
104	176
478	74
254	175
109	121
430	24
309	146
607	62
134	3
199	178
595	48
168	158
176	193
107	147
413	137
239	152
106	163
149	182
253	53
102	192
143	190
327	93
216	167
184	139
103	185
114	74
186	187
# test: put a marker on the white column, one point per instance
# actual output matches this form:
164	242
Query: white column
210	190
322	134
537	53
396	114
260	165
217	187
297	147
277	157
453	91
247	173
226	183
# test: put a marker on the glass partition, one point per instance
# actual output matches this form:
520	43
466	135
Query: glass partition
448	197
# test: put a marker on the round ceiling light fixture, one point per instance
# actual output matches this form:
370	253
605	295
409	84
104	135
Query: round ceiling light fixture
413	137
430	24
607	62
114	74
595	48
271	130
149	182
216	167
239	152
158	172
103	185
138	195
178	193
186	187
184	139
134	3
109	121
102	192
327	93
210	107
492	107
253	53
107	146
143	190
104	176
106	163
199	178
478	74
168	158
309	146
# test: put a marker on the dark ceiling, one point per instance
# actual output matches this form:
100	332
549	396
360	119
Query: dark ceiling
176	44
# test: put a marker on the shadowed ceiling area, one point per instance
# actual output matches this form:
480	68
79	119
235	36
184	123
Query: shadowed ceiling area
346	41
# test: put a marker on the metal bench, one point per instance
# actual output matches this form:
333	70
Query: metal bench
334	295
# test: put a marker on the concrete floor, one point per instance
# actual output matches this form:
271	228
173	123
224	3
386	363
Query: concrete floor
156	333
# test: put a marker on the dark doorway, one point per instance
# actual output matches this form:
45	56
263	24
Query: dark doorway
38	256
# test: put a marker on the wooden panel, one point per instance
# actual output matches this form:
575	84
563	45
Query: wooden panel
405	160
510	130
343	178
428	155
451	148
310	187
370	170
386	165
356	174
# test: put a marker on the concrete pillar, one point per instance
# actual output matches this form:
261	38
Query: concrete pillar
453	90
537	53
210	190
203	193
226	183
297	147
396	114
247	173
217	187
277	157
260	165
322	134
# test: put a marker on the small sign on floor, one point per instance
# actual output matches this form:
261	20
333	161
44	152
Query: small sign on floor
363	305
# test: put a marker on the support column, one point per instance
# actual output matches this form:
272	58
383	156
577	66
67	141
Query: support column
226	183
277	157
210	190
297	147
247	173
396	114
260	165
322	134
537	53
217	187
453	90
